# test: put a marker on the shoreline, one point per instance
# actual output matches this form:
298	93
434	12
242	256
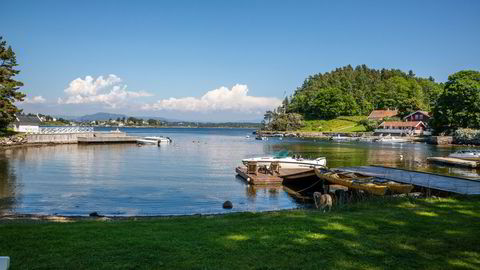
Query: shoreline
73	218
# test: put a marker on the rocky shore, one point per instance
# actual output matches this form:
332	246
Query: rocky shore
13	140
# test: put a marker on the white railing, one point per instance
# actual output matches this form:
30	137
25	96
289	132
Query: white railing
64	130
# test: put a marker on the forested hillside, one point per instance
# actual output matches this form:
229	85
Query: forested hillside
351	91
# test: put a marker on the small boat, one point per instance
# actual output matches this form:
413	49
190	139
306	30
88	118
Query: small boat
363	182
144	141
466	154
261	138
159	139
154	140
339	138
391	139
288	162
248	136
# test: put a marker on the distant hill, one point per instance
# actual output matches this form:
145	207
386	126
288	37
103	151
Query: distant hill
100	117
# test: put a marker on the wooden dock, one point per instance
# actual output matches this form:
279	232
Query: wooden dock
453	184
264	178
455	162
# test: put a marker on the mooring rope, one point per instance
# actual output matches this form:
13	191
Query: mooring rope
309	186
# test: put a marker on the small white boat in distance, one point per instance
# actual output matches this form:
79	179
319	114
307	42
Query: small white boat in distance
339	138
288	162
466	154
154	140
391	139
159	139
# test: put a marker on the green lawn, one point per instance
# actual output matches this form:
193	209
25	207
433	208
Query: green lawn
339	124
380	234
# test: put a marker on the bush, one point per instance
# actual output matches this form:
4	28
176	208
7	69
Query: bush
467	136
370	125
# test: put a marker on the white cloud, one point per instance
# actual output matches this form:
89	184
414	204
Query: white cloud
221	99
90	86
109	91
34	100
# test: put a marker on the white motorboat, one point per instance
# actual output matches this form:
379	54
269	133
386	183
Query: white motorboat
288	162
159	139
154	140
391	139
466	154
339	138
262	138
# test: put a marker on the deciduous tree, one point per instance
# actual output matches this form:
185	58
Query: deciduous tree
459	104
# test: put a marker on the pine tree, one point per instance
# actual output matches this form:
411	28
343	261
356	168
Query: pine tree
8	86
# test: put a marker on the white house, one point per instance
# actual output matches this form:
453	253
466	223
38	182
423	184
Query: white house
29	124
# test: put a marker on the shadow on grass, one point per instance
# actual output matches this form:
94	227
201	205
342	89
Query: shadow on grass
399	233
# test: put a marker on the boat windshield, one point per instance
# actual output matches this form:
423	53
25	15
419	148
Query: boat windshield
281	154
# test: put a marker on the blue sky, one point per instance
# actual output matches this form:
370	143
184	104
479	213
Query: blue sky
221	60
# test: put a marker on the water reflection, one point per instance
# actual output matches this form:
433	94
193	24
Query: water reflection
9	191
195	174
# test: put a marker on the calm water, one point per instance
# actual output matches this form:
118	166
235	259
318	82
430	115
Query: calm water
193	175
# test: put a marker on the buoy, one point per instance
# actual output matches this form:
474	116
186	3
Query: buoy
227	205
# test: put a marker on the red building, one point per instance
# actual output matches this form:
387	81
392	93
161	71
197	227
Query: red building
418	116
380	114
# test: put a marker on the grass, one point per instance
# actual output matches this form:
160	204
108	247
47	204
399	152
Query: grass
339	124
381	234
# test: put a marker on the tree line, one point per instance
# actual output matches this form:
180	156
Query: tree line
349	91
352	91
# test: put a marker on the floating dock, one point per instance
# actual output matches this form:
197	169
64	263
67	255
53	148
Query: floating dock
445	183
261	178
455	162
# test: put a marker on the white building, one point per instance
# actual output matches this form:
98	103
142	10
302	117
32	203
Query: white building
413	128
28	124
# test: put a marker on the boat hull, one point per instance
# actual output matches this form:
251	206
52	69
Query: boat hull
288	163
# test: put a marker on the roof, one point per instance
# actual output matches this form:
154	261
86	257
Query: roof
27	120
402	124
380	114
422	112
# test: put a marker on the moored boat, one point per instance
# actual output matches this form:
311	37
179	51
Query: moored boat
154	140
391	139
288	162
363	182
339	138
466	154
159	139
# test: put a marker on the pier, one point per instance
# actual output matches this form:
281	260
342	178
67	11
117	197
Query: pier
107	139
455	162
266	178
420	180
81	137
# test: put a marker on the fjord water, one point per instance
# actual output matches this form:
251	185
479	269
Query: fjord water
193	175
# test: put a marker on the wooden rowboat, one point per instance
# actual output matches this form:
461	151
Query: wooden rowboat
363	182
351	182
396	187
